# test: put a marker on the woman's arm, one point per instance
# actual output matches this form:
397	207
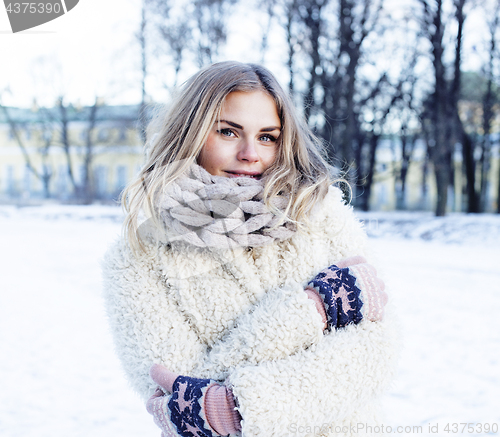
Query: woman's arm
283	322
149	327
145	321
325	384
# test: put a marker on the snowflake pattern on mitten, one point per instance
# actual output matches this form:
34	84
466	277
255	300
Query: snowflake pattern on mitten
186	406
341	296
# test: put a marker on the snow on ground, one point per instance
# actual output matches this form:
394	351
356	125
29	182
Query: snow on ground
59	376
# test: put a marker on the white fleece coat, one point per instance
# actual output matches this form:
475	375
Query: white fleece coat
248	322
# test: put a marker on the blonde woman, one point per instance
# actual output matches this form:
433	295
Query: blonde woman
239	298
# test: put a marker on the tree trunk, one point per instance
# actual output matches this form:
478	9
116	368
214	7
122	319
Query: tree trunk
291	48
87	188
488	101
441	150
460	133
13	127
367	186
66	144
442	184
425	175
313	23
470	173
352	49
498	198
144	72
405	160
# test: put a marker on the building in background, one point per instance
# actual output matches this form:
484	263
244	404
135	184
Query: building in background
68	155
106	148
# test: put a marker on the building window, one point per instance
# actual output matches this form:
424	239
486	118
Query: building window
103	135
9	180
62	182
123	134
27	180
121	178
100	180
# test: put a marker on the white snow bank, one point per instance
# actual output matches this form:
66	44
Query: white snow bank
455	228
57	212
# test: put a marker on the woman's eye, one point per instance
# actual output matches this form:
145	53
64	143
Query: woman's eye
226	132
268	138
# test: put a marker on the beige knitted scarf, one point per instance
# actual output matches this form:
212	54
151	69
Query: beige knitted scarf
218	212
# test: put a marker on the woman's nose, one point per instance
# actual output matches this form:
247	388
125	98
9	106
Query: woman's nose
248	151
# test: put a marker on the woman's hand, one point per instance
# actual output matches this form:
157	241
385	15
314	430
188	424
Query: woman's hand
350	291
192	400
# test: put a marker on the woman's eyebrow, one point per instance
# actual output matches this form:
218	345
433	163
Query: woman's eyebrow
231	123
270	129
238	126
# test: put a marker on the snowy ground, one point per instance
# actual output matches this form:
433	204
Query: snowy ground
59	376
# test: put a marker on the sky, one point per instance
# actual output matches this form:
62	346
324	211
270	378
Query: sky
91	51
76	54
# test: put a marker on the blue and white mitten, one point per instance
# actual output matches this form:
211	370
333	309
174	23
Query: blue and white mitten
340	294
196	407
351	292
186	406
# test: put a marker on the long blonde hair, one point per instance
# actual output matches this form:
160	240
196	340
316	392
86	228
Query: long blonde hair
177	138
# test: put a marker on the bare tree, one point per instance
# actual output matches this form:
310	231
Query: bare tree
86	189
46	172
407	104
461	135
64	121
490	98
60	119
211	16
442	118
142	39
193	29
13	126
346	107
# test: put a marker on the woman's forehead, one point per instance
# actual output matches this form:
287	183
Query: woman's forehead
244	106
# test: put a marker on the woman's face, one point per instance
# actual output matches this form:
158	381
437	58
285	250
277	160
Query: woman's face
243	142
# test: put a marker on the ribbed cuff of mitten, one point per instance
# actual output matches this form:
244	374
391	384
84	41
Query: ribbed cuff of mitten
372	296
318	301
220	410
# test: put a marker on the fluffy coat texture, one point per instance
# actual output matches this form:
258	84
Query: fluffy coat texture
244	318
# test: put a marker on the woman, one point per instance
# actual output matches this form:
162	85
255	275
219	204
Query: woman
240	300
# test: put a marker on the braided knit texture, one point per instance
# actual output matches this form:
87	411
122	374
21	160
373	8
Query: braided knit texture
219	212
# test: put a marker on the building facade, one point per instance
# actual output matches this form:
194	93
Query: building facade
77	156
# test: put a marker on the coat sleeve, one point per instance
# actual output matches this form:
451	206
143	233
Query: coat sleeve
145	321
283	322
332	381
323	384
148	326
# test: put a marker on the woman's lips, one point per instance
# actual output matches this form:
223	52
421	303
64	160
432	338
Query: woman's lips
236	174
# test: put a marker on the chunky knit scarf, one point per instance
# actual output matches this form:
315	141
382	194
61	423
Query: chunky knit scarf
218	212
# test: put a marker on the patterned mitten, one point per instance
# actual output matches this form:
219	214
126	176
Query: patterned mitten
350	291
196	408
